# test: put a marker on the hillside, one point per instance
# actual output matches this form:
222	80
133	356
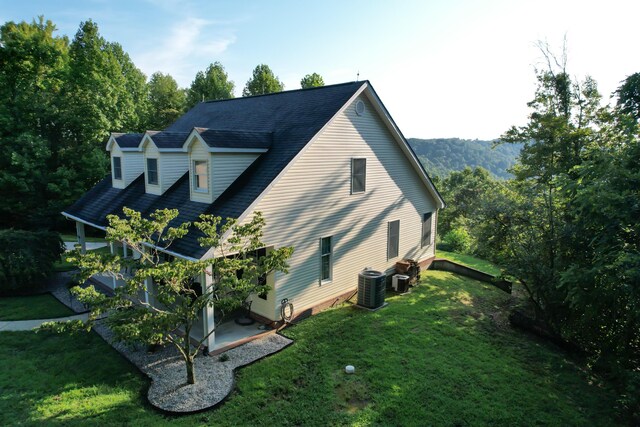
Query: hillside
441	156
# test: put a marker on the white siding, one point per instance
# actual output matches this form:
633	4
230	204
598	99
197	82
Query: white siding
198	152
132	166
223	169
227	167
313	200
171	167
151	151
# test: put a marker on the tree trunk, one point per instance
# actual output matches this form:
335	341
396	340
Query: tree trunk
191	373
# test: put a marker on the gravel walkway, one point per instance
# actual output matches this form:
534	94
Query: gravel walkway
169	390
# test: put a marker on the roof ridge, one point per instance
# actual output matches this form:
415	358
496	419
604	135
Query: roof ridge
286	91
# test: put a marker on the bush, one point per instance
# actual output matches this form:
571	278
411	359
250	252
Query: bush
26	259
458	239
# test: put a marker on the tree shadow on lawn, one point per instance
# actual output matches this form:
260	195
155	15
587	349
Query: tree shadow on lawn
67	379
444	355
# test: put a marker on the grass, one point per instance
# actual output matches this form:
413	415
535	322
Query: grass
470	261
442	355
44	306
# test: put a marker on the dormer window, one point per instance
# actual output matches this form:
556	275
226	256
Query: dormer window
152	171
117	167
200	175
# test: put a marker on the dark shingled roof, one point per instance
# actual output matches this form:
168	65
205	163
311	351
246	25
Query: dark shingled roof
235	138
128	140
166	139
292	118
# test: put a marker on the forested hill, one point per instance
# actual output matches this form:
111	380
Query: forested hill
441	156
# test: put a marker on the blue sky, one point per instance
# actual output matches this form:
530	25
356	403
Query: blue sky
443	68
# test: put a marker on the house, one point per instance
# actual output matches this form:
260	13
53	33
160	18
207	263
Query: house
329	169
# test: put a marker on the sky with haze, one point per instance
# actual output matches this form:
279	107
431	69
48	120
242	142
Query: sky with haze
457	68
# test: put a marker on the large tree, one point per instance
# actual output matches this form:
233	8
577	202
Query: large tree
629	96
311	80
210	85
180	291
166	101
58	103
262	81
33	67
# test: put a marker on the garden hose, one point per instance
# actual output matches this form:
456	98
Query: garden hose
286	310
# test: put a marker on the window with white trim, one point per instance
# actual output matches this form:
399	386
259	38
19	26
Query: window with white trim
426	230
117	167
358	175
200	175
326	259
393	239
152	171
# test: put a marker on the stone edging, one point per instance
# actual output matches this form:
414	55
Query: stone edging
448	265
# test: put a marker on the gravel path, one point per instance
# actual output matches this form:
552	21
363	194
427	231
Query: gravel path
169	390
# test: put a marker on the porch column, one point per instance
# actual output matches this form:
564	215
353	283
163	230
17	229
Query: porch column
113	278
125	250
147	285
208	322
81	237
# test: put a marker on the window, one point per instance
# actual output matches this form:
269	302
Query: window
117	168
152	171
426	230
358	175
326	261
393	239
200	175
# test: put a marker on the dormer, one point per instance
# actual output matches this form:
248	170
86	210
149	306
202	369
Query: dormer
218	157
165	160
126	158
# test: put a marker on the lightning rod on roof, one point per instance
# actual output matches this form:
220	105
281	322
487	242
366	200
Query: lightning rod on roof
358	76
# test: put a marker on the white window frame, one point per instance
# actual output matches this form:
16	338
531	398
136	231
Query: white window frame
195	177
117	176
390	255
427	220
322	258
364	177
156	171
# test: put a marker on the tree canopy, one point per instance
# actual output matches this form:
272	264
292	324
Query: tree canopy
180	289
311	80
262	81
59	102
210	85
166	101
629	96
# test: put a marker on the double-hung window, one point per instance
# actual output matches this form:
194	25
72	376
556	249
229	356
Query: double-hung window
426	230
358	175
117	167
152	171
393	239
200	175
326	259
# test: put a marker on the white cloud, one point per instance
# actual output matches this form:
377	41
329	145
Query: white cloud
182	52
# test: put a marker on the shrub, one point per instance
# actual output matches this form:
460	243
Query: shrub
26	259
458	239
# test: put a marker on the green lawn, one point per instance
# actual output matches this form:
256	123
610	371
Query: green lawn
442	355
44	306
470	261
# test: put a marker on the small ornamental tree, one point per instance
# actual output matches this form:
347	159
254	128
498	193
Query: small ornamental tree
168	311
